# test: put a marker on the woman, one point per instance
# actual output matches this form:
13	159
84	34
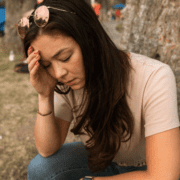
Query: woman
124	105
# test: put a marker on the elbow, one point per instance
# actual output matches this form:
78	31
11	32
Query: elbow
45	155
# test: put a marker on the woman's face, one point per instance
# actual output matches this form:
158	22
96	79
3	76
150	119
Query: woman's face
62	58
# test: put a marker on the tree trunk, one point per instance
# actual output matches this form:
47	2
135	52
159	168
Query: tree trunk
152	28
14	12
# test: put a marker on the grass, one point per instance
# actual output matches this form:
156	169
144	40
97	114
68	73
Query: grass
18	111
18	107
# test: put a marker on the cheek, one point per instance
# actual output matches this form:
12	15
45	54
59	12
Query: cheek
77	65
79	68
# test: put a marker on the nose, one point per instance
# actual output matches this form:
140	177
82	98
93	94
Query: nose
59	70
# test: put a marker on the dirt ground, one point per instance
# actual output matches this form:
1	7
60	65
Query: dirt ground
18	109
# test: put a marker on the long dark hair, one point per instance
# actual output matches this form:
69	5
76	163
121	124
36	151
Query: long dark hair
107	72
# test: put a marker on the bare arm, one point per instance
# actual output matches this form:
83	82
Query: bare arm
50	131
47	137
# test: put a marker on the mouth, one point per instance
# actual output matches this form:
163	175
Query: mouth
66	82
70	83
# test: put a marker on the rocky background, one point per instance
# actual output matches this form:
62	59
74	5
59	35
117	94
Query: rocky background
152	28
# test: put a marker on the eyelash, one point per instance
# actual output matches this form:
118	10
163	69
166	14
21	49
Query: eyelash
63	61
67	59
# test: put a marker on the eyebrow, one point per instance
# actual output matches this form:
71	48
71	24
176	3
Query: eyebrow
59	52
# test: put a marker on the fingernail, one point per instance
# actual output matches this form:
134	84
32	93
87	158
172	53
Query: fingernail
37	56
30	50
36	63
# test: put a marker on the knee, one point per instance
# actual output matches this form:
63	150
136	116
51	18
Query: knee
36	168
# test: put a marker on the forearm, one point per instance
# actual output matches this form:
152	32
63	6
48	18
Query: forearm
135	175
46	130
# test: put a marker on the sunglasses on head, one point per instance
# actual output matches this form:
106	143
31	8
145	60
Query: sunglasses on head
41	18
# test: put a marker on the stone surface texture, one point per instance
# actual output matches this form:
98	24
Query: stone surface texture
152	28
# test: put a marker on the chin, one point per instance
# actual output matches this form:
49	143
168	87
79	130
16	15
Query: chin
77	87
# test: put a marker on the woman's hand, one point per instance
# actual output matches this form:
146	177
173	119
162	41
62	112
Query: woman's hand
40	79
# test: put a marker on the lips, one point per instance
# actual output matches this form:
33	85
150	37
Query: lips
69	81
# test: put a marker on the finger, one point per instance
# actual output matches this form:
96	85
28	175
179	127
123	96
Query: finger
35	69
31	56
30	50
33	62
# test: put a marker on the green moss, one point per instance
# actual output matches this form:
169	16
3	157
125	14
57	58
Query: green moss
119	27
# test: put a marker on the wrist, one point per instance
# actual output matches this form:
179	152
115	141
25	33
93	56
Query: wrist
46	98
46	104
44	114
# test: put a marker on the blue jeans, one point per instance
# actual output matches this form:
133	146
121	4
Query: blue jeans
70	163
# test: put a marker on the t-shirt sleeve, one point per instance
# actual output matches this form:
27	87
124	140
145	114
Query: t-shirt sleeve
160	102
62	108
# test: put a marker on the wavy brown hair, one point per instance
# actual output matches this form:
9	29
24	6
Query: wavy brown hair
107	70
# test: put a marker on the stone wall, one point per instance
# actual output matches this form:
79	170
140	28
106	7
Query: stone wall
152	28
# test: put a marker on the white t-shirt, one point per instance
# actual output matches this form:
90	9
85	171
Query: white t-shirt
153	102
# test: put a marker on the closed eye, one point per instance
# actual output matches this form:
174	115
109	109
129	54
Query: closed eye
66	59
40	61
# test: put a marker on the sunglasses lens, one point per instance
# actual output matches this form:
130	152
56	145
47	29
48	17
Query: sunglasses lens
23	27
41	16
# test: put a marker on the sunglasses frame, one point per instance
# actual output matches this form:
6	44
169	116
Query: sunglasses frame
28	24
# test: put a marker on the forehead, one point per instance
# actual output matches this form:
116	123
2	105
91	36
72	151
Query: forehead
49	45
49	39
